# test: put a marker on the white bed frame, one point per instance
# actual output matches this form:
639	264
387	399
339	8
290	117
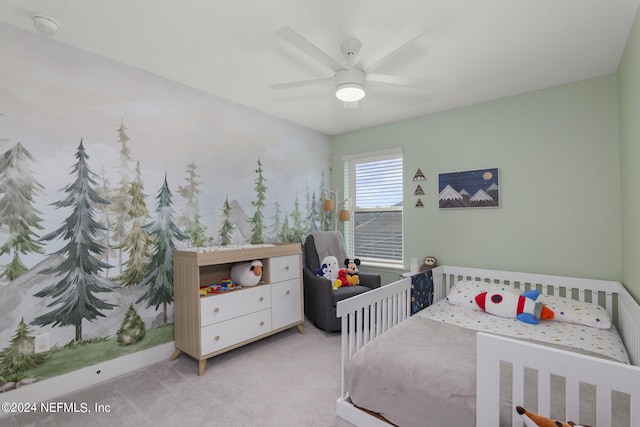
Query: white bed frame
383	308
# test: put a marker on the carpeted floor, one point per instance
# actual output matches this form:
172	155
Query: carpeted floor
288	379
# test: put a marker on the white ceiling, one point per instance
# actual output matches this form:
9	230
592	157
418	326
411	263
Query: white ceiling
477	50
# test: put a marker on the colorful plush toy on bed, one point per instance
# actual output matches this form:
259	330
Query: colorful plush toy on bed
531	419
511	305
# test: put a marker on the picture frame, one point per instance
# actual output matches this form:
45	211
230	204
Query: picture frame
478	188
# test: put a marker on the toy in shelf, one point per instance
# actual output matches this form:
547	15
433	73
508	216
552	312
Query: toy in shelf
247	273
227	285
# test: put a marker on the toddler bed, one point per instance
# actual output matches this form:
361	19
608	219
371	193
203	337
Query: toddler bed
428	370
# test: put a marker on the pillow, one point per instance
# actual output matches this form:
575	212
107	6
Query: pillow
578	312
567	310
464	292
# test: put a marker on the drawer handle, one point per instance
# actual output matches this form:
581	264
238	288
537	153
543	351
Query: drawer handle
286	268
217	338
261	323
261	299
217	309
288	292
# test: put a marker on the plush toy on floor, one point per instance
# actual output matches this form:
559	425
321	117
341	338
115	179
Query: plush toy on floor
531	419
511	305
246	273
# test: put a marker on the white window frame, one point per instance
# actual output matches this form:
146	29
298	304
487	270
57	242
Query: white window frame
350	162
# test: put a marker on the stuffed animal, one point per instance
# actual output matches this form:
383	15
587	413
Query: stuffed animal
531	419
329	269
246	273
351	270
428	263
509	304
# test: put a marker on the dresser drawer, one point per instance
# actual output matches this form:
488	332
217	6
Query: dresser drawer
286	303
218	308
225	334
283	268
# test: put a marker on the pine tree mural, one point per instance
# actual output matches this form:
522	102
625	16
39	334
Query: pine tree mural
19	356
188	221
120	199
277	221
103	217
285	231
325	219
79	273
17	213
197	234
298	229
137	243
227	226
313	218
158	283
257	224
132	328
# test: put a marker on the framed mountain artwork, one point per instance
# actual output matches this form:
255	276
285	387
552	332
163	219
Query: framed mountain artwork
469	189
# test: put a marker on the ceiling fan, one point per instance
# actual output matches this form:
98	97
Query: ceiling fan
351	77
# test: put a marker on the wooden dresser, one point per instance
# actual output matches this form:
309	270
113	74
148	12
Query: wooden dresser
210	325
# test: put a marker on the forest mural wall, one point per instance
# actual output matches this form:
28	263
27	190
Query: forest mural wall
104	171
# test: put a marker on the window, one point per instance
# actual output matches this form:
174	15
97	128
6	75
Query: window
373	189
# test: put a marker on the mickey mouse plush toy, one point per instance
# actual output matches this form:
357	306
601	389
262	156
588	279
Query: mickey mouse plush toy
349	274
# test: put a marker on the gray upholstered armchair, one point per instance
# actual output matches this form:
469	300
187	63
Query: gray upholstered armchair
319	298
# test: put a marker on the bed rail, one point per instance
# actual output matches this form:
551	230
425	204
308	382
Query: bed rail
368	315
609	294
576	369
589	290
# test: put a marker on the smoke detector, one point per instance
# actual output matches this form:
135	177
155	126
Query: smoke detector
45	25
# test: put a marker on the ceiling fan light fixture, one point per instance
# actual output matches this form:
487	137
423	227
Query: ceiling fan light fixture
350	92
350	84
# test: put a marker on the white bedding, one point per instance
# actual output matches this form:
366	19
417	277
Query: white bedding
605	342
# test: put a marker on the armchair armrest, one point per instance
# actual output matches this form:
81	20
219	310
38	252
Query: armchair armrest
317	292
369	280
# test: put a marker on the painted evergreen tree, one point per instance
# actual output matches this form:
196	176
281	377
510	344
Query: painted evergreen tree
132	328
19	356
158	282
257	225
187	220
285	231
79	280
277	221
227	226
18	187
138	242
297	230
197	230
325	217
121	199
103	217
313	218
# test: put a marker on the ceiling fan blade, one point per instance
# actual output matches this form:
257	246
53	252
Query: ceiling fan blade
401	39
401	81
301	83
295	39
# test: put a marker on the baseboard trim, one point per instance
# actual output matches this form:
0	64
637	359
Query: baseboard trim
86	377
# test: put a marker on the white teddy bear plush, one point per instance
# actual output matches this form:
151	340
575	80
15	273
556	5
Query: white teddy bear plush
330	270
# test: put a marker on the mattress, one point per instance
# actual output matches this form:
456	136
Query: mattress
422	371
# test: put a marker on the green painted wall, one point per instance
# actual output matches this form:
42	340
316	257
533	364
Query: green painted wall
629	95
558	153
